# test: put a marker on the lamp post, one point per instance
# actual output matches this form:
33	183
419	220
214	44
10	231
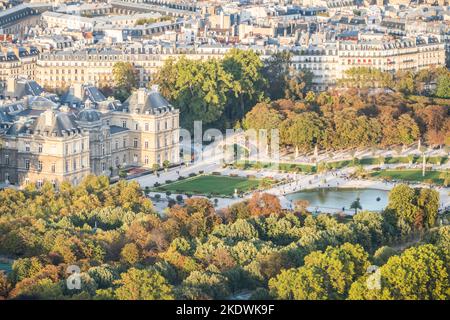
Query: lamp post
423	165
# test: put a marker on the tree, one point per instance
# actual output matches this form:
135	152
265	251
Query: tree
428	202
4	286
262	117
124	75
264	204
130	254
325	275
402	199
247	81
136	284
382	255
420	273
405	82
104	276
356	205
166	164
303	131
284	81
205	285
408	129
198	88
443	86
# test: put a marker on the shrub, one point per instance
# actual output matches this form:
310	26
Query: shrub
171	203
157	184
215	173
192	174
179	198
157	197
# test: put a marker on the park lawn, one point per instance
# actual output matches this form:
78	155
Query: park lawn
409	175
290	167
211	184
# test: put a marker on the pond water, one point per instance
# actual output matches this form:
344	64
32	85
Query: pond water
5	267
333	200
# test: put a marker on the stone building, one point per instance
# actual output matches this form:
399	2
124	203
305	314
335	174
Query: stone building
42	140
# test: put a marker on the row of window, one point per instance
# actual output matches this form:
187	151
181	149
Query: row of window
69	165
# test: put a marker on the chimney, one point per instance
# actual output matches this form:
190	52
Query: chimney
48	118
11	85
78	91
141	95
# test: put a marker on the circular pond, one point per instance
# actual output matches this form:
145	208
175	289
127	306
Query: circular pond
335	199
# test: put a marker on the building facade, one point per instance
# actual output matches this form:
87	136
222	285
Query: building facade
42	140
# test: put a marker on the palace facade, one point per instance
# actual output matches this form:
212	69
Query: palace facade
48	138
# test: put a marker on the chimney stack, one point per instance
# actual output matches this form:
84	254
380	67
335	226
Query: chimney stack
142	94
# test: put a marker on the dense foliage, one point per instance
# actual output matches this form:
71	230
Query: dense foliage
126	251
220	92
352	119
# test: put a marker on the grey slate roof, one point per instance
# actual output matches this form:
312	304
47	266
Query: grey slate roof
153	100
42	103
116	129
60	121
88	115
26	88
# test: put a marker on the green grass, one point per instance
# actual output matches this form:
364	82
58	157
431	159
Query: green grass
247	165
281	166
211	184
409	175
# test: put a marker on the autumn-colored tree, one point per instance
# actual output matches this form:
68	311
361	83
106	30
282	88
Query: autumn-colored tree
264	204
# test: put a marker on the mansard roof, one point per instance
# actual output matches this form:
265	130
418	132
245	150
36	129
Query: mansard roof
58	122
145	100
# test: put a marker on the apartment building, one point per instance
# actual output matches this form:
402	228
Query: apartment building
327	59
17	61
62	68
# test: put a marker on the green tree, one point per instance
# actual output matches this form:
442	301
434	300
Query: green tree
247	81
284	81
303	131
402	199
356	205
428	202
138	284
198	88
420	273
443	86
125	79
325	275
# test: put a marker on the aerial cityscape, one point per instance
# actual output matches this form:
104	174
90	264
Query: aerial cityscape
225	150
